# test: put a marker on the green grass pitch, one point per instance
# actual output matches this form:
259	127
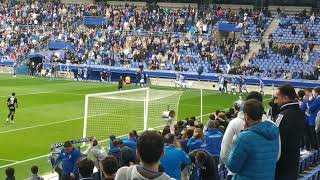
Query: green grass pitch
51	111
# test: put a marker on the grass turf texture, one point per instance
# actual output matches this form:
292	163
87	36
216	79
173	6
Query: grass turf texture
52	111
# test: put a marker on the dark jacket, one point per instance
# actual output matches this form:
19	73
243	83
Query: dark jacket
291	122
209	171
126	156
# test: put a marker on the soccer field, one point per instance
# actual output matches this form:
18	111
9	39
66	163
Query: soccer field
51	111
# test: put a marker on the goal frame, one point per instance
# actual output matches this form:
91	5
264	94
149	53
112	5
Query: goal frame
145	104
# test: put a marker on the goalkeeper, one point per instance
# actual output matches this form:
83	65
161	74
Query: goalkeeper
169	116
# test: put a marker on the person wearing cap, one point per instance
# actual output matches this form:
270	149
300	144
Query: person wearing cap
69	156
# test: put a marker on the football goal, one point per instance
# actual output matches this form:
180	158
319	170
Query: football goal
117	113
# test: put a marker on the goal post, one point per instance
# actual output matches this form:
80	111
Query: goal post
117	113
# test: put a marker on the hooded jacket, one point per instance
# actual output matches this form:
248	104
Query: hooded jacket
136	173
254	155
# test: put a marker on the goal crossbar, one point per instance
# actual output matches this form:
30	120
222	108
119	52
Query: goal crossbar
139	109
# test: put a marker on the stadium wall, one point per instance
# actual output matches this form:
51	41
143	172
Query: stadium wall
94	74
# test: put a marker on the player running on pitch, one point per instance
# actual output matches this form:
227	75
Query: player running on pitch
261	85
242	85
234	85
12	104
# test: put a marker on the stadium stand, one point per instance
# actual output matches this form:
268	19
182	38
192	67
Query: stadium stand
164	41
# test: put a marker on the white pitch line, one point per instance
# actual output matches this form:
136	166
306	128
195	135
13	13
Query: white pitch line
58	122
40	125
46	155
9	160
23	161
26	94
39	157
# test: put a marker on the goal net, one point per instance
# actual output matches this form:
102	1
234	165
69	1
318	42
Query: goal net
117	113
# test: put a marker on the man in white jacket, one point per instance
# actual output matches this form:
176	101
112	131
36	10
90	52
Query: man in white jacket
97	151
234	128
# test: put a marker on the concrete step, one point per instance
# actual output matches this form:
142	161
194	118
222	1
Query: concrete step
273	25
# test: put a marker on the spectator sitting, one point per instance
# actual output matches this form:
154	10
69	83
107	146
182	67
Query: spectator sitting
35	176
174	158
10	174
149	149
204	166
255	153
213	139
86	167
109	168
196	140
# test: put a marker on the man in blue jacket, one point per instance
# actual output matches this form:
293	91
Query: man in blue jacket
314	106
131	142
254	155
213	139
174	158
308	99
69	156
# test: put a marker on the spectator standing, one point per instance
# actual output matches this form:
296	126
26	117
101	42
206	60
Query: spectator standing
69	156
174	158
35	176
255	152
291	123
213	139
131	142
311	142
10	174
97	151
203	165
86	167
235	127
314	107
149	150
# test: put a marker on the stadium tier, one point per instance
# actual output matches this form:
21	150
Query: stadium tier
144	90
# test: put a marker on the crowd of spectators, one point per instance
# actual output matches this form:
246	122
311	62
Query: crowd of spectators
159	39
248	141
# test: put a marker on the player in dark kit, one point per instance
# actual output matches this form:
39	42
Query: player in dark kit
120	83
12	104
